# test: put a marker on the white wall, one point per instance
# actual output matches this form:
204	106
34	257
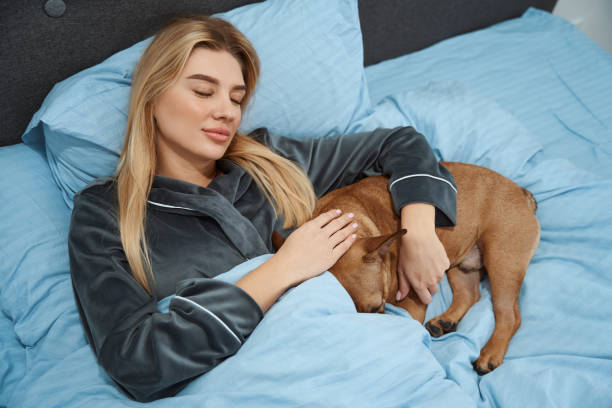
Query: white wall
593	17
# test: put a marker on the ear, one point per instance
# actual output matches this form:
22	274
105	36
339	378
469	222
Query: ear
379	246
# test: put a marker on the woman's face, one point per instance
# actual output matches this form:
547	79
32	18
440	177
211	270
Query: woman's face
198	115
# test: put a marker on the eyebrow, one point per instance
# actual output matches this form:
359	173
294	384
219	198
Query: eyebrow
215	81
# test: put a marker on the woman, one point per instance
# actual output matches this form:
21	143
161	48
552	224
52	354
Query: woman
191	198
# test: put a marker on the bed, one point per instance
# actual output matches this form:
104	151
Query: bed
505	85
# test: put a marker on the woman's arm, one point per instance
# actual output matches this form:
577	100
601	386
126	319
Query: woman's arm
402	154
423	191
308	251
151	354
148	353
422	257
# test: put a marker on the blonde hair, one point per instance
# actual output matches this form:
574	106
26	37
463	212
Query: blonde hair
284	183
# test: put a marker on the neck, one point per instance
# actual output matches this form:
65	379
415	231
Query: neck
201	176
171	161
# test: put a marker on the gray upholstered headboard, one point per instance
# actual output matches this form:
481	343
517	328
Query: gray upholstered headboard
46	41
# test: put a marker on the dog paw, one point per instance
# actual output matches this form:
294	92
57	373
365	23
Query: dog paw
479	370
438	327
484	365
434	330
448	327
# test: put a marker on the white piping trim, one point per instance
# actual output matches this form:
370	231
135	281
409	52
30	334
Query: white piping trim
424	175
169	206
212	314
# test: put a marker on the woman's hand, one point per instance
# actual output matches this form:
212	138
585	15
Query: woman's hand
422	257
308	251
317	245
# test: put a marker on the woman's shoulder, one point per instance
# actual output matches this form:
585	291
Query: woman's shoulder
94	209
103	189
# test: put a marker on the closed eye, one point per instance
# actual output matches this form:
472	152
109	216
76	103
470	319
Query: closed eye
206	95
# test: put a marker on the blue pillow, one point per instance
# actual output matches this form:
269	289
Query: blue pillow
312	83
460	124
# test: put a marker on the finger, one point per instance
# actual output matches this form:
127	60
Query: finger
326	217
338	223
433	289
404	286
344	246
424	295
343	233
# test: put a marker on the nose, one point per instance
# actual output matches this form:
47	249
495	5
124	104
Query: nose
378	309
225	109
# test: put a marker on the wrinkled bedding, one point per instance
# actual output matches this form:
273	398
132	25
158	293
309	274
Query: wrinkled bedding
539	67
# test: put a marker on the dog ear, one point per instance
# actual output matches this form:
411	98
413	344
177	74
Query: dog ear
379	246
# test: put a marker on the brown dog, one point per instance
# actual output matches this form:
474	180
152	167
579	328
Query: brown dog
497	232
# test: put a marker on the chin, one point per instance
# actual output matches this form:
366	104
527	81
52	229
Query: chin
214	152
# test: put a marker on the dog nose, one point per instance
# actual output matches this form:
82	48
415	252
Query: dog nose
378	309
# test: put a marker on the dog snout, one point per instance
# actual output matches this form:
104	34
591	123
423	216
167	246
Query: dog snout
378	309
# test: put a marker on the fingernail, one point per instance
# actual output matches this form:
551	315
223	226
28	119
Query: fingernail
351	215
398	296
355	225
338	211
354	236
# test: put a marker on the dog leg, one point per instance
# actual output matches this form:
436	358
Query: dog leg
506	276
466	292
504	293
413	305
506	264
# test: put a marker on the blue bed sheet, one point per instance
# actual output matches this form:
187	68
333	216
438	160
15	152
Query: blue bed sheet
12	359
541	68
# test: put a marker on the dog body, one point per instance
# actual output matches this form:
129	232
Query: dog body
497	232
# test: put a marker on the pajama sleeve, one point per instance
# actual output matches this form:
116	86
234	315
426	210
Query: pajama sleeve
402	154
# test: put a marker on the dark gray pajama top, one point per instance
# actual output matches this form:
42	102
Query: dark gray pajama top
195	233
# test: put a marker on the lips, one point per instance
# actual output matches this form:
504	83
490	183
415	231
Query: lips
219	135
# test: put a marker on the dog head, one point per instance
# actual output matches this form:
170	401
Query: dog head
368	271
